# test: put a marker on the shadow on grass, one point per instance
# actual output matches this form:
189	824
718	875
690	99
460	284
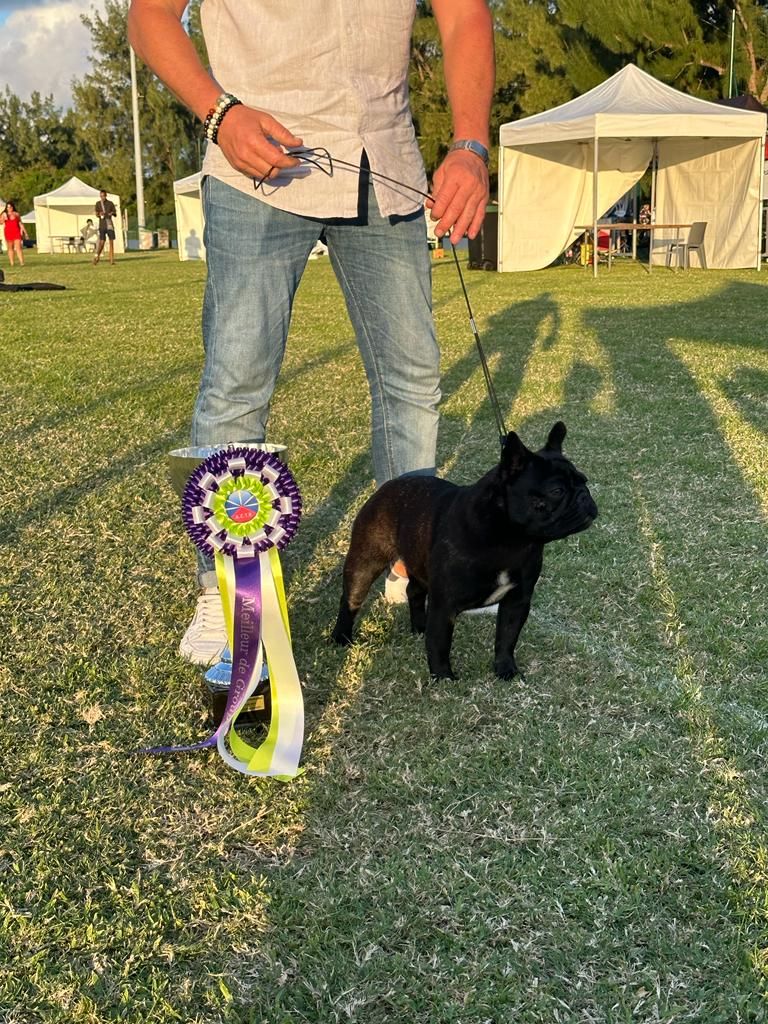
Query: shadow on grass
103	400
701	516
656	450
65	499
466	853
747	390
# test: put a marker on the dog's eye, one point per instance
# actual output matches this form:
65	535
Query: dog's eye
556	492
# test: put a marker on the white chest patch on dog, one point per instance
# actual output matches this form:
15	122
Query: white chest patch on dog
504	586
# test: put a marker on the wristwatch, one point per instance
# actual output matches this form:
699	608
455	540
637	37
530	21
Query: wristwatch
473	146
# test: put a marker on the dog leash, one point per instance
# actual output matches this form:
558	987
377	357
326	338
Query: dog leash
492	396
316	157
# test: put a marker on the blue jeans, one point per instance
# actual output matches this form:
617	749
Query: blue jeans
256	255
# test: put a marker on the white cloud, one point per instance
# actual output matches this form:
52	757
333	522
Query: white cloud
43	47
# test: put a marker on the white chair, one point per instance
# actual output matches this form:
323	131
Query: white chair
695	240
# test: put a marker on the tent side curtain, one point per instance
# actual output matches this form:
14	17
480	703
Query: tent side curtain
546	194
711	180
190	222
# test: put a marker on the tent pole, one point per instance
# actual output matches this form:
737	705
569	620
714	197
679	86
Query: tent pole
594	206
654	169
500	221
761	175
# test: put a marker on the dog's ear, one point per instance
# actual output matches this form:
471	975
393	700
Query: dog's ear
556	438
513	454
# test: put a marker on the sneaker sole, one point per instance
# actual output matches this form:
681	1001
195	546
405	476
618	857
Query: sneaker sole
195	658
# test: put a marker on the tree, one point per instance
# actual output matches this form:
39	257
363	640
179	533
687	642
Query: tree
751	64
530	73
39	145
23	185
684	43
102	99
530	60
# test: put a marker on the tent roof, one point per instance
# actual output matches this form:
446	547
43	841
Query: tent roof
189	184
72	191
633	104
28	218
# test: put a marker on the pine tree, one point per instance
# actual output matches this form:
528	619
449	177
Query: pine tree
529	75
39	146
684	43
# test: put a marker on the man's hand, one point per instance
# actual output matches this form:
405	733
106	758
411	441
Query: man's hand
460	195
247	139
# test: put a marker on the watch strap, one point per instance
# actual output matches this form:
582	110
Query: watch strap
473	146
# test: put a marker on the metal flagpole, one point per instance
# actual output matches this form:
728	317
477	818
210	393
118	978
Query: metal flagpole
137	145
733	40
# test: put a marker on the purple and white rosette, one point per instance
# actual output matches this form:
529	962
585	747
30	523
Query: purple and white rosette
239	502
241	506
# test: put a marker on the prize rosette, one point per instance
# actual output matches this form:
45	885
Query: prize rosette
241	506
241	502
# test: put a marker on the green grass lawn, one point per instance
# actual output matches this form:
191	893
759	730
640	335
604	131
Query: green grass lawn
589	845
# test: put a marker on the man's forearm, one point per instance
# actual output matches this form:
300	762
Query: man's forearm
466	32
157	36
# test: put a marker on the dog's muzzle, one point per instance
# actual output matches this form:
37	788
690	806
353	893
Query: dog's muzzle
584	508
580	513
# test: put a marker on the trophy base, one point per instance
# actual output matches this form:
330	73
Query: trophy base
257	710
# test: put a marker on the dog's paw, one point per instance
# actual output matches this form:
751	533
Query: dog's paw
341	637
508	669
441	672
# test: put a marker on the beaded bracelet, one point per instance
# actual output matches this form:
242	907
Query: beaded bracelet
215	115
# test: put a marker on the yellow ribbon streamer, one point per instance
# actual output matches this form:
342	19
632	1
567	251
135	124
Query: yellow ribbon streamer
278	755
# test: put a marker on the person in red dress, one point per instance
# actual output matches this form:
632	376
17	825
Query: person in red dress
13	231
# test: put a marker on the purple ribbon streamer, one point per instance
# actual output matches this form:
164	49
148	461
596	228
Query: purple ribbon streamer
245	650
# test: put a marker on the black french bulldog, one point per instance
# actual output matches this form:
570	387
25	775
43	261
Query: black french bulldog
466	547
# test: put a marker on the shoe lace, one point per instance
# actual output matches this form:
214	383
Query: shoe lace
209	610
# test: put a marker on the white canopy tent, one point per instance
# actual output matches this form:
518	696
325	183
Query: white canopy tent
189	217
63	213
569	165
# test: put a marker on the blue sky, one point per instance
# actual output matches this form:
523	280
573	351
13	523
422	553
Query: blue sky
43	46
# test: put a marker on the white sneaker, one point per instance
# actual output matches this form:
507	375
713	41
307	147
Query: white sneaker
485	609
394	588
206	635
395	593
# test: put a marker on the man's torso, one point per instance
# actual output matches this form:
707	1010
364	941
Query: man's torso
334	74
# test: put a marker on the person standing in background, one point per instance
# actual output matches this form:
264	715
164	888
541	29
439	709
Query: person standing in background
106	212
13	232
331	77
